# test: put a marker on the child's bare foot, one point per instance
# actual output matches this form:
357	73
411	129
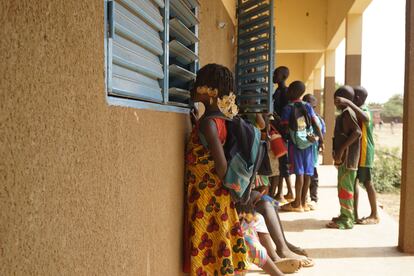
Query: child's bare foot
370	220
297	249
305	261
289	196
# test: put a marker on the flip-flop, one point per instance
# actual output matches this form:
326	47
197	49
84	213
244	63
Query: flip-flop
289	208
332	225
289	266
370	221
307	262
307	208
359	221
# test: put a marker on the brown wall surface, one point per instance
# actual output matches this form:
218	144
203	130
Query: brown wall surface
406	235
216	44
85	188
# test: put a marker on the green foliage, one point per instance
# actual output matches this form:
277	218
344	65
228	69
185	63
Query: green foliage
394	107
386	173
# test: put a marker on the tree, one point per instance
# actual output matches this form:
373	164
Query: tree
394	107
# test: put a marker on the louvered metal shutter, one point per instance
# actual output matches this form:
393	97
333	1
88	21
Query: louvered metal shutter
183	49
135	49
255	55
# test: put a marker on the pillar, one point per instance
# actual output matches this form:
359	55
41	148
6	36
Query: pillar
406	235
317	88
353	49
328	103
309	86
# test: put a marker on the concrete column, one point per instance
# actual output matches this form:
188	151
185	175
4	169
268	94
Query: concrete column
406	237
317	88
353	49
309	86
329	107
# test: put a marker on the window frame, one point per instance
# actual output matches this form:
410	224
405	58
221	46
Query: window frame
165	105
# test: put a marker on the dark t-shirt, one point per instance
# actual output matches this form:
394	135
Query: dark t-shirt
280	100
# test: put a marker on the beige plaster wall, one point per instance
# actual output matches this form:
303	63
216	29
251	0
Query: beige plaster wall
295	63
300	25
85	188
230	6
216	45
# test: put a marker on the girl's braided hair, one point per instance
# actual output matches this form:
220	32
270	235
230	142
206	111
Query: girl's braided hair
215	76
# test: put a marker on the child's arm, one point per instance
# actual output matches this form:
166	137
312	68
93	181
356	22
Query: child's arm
260	122
351	127
209	130
361	115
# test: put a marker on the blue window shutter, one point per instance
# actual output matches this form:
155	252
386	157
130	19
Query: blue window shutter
183	49
255	55
135	49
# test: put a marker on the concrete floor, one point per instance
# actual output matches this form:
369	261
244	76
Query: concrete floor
364	250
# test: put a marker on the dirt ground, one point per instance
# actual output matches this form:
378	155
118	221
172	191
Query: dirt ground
386	137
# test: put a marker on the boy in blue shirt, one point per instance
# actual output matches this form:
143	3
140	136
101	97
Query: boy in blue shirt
300	121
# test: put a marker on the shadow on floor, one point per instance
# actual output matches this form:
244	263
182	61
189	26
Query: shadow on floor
301	225
354	252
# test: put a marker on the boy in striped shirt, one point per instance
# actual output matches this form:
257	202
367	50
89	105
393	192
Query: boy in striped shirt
366	161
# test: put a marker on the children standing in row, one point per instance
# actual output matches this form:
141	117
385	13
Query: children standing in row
346	154
364	174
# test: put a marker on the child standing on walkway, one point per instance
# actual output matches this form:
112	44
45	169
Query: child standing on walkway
301	121
346	155
364	174
313	190
280	97
213	238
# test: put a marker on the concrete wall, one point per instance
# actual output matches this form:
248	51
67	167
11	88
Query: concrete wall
300	25
85	188
295	63
217	45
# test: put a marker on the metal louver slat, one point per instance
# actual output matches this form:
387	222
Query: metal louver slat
143	10
255	54
183	12
135	48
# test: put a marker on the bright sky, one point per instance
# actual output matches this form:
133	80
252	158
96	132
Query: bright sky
383	47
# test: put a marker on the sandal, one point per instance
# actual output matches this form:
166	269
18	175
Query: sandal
307	208
289	208
288	266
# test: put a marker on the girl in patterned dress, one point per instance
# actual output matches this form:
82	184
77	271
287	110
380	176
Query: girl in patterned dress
213	238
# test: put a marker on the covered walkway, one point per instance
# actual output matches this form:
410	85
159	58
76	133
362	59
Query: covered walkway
364	250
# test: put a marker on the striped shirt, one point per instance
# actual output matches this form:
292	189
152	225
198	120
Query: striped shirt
367	140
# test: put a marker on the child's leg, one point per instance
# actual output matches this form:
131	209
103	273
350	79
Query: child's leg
356	200
372	196
274	182
267	243
306	184
314	186
346	183
289	194
271	268
297	203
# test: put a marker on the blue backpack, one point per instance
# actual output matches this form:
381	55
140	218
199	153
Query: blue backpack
300	125
244	153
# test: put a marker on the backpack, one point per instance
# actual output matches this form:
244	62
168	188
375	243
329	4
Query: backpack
244	153
300	125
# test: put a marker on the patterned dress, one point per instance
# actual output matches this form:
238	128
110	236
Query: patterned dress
213	238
